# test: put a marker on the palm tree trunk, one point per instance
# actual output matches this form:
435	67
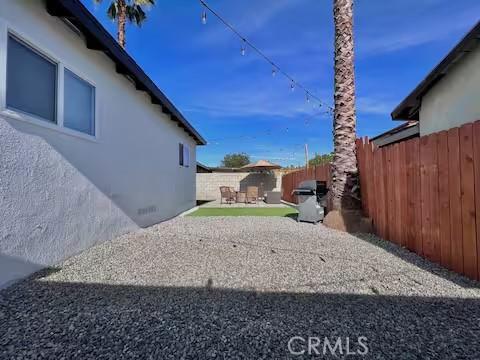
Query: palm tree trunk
122	21
344	167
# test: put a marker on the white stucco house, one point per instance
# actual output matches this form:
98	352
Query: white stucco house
90	148
450	95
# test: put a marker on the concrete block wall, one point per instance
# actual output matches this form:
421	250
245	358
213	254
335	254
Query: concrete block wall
208	184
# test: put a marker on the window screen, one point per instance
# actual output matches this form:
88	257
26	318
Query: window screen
186	156
31	81
79	110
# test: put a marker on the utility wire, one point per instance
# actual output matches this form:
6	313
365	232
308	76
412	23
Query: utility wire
275	67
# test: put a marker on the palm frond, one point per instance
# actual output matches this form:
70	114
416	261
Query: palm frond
140	15
144	2
112	10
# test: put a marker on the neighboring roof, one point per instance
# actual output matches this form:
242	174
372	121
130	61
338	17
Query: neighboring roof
226	170
203	168
406	131
409	108
97	38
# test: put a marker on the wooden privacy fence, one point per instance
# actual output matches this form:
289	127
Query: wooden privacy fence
424	194
290	181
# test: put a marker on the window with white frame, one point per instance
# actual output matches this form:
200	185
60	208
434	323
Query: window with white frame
33	84
79	104
31	81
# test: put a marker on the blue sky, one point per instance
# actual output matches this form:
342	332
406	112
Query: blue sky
236	104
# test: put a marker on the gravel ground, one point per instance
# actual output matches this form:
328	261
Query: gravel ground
240	288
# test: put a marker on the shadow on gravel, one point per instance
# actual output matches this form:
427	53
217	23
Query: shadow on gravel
418	261
77	320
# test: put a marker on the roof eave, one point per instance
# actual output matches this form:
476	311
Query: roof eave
409	108
97	38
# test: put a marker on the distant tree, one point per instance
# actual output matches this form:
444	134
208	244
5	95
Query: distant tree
126	10
320	159
235	160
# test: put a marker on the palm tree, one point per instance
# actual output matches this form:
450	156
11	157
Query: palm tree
344	166
127	10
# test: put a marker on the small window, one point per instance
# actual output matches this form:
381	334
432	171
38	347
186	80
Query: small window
79	110
180	154
183	155
31	81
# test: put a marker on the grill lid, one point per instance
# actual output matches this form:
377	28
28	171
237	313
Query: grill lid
308	185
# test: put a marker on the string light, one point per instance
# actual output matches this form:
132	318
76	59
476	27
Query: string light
204	17
268	132
243	48
275	67
307	97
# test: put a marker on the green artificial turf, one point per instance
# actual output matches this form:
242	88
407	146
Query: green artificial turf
245	212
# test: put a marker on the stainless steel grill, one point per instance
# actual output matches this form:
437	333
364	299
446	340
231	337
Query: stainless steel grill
312	197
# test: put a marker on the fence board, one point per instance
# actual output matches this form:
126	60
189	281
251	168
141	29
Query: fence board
468	201
425	159
434	199
476	158
403	193
444	200
397	193
417	197
370	184
410	197
361	151
455	195
384	186
381	208
390	178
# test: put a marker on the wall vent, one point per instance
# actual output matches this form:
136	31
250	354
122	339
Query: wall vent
147	210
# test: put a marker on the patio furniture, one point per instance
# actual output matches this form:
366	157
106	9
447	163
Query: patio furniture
227	194
241	197
252	194
273	197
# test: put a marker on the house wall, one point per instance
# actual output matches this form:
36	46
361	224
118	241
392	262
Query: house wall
208	184
454	100
61	192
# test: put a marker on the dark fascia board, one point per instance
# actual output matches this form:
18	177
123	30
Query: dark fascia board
226	170
402	135
409	108
396	129
97	38
204	167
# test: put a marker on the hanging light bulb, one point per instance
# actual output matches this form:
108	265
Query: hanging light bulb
243	49
292	86
307	97
274	71
204	17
